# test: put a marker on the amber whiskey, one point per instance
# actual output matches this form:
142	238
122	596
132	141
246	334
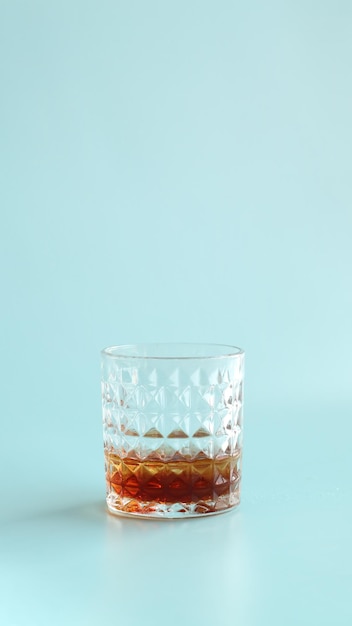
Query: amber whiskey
188	481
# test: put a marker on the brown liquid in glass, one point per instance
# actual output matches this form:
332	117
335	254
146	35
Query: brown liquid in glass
172	481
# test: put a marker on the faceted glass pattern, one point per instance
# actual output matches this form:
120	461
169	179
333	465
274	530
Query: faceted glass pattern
172	428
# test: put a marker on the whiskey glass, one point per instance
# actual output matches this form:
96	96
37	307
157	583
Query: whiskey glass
172	423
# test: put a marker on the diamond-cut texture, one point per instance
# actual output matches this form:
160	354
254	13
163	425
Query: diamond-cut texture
180	410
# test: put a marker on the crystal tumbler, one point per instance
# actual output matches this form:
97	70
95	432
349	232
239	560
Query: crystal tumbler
172	416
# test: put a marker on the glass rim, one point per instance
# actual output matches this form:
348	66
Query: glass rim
139	348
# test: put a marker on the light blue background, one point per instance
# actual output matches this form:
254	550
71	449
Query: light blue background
176	171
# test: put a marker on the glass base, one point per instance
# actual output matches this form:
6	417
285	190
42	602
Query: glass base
180	510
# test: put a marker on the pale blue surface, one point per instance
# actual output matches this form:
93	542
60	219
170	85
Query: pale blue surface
176	171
